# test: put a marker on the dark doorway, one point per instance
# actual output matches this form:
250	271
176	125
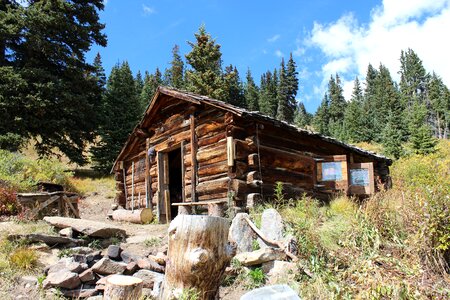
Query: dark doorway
175	180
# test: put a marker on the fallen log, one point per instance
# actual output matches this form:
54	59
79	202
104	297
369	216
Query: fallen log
50	240
138	216
122	287
198	254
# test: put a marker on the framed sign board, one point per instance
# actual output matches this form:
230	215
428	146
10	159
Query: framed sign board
332	173
361	181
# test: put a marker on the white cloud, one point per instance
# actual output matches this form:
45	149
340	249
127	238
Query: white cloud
279	53
396	25
273	38
148	10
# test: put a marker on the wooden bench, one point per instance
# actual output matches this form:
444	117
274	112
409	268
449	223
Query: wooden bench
215	207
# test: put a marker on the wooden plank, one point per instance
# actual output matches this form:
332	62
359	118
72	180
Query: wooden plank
148	179
40	207
166	180
362	190
193	159
231	151
183	172
159	204
69	203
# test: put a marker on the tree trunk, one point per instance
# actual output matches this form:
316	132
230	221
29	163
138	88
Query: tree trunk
121	287
138	216
197	256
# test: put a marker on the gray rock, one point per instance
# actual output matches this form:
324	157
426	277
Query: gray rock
80	293
114	252
272	292
67	263
149	277
132	267
149	264
129	257
87	227
279	271
260	256
67	232
241	233
93	256
87	276
80	258
106	266
62	279
271	226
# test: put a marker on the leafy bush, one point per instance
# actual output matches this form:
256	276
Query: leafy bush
256	278
22	173
8	202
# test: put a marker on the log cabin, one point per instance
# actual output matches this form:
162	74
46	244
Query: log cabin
192	153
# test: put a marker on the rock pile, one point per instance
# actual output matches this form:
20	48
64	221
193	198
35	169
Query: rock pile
84	273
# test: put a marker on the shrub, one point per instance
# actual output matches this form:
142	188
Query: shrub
24	259
23	173
8	202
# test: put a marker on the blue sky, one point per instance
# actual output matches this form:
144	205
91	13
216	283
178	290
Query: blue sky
324	36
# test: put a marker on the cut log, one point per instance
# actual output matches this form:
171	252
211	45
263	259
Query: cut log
122	287
198	254
138	216
87	227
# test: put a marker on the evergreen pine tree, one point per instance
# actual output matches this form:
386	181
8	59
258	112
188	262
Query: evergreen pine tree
151	83
438	95
354	115
205	58
47	88
174	76
370	104
284	109
302	118
120	106
139	82
251	93
233	87
99	72
421	138
268	93
392	137
336	108
321	119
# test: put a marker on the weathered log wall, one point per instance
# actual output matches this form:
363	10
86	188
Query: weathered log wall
231	157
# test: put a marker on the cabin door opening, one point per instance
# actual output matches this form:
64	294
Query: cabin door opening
175	180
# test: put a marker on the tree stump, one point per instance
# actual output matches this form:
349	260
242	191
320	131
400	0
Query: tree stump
121	287
138	216
198	254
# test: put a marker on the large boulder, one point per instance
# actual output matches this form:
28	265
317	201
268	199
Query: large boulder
271	226
114	252
87	227
62	279
260	256
279	271
106	266
241	233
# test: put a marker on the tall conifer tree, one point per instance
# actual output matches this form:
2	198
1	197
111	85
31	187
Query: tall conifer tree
120	113
354	115
234	93
251	93
268	93
205	58
284	109
175	74
321	120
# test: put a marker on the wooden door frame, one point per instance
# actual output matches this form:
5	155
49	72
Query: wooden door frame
163	205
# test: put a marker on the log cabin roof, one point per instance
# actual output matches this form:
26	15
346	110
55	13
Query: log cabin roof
241	112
